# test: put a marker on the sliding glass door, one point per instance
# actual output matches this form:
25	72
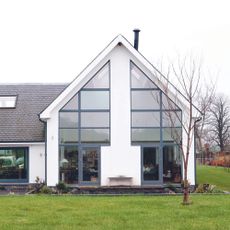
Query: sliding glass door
151	165
79	165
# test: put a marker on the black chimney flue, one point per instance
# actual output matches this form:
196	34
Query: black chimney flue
136	38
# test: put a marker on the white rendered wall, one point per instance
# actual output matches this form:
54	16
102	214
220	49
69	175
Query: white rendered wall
120	159
191	162
36	162
52	150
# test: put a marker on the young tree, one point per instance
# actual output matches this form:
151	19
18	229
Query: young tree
219	121
188	76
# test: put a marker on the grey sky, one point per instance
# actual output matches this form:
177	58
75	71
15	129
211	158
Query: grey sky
52	40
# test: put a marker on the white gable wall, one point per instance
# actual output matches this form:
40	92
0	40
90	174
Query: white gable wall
120	158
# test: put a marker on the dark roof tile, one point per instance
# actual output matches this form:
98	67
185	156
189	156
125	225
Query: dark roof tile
22	123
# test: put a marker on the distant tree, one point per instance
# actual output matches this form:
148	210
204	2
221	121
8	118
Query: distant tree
204	102
219	121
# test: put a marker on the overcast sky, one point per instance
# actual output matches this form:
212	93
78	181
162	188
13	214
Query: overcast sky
52	40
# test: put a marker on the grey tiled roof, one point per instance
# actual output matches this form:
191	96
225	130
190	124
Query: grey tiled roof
22	123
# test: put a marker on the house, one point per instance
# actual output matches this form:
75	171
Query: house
109	126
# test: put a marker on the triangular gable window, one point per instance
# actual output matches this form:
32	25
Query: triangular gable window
139	79
100	80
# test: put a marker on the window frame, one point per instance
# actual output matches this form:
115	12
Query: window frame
26	149
9	96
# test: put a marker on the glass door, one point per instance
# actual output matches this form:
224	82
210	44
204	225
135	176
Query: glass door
89	167
68	171
151	165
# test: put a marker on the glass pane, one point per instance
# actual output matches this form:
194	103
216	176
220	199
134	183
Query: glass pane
94	119
168	103
101	79
150	163
90	165
139	79
95	135
172	134
171	119
149	99
13	164
146	134
68	161
68	136
171	164
72	104
145	119
95	100
68	119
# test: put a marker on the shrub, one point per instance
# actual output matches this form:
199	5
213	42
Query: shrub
207	188
46	190
61	187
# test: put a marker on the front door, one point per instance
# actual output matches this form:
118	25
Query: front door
151	165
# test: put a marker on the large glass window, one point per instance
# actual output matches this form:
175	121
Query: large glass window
13	164
86	117
85	121
154	117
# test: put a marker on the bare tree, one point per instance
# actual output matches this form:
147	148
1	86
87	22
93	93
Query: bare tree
219	121
188	75
204	101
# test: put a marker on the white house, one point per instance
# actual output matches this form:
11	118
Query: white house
107	127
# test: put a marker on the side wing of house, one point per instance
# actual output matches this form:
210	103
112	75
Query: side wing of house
22	134
111	125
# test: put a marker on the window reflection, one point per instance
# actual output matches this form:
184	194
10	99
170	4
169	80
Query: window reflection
13	163
171	164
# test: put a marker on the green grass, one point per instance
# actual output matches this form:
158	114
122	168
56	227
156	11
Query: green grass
213	175
208	212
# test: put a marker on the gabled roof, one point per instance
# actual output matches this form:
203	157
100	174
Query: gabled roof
22	124
116	41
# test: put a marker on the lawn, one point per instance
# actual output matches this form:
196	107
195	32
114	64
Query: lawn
213	175
114	212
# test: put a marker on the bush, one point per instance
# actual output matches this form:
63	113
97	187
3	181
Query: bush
61	187
45	190
207	188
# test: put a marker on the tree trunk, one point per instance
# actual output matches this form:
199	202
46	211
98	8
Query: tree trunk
186	200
